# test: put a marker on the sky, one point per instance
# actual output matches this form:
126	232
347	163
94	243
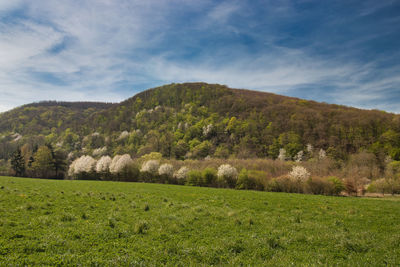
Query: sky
344	52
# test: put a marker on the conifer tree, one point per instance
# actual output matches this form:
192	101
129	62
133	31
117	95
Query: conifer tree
18	163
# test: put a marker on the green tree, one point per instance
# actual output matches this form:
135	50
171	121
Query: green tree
43	162
18	163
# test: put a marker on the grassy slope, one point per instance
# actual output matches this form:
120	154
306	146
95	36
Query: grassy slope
88	222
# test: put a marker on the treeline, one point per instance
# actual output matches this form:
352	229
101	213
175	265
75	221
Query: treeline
75	105
39	162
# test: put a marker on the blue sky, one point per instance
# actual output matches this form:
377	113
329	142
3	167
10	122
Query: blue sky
345	52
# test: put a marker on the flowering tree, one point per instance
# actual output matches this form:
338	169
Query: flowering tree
227	175
299	156
282	154
123	135
166	169
181	174
103	165
82	167
299	174
121	164
321	154
113	165
150	166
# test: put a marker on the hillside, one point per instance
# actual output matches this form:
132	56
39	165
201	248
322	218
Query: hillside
195	120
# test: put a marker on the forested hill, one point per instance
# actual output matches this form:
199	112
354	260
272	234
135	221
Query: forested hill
196	120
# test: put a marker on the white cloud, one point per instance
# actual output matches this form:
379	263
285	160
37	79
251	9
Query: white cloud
103	44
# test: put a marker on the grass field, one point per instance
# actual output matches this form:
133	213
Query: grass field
109	223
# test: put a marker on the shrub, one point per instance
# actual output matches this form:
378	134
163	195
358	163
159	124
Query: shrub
166	172
258	178
181	175
194	178
320	186
227	175
299	174
243	181
379	186
209	177
393	169
281	184
389	186
355	185
338	185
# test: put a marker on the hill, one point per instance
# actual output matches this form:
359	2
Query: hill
195	120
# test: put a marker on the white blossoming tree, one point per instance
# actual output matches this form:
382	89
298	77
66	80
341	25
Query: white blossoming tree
282	154
82	168
149	170
299	157
150	166
227	175
181	175
113	165
122	168
123	135
166	169
103	166
166	172
321	154
299	174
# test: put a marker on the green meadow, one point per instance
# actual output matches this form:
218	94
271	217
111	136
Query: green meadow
52	222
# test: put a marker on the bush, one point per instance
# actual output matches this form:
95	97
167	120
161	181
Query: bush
379	186
194	178
243	181
209	177
227	176
249	179
320	186
281	184
338	185
388	186
393	169
181	175
166	172
299	174
355	185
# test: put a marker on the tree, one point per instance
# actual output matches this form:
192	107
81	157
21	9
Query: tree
18	163
43	162
59	163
